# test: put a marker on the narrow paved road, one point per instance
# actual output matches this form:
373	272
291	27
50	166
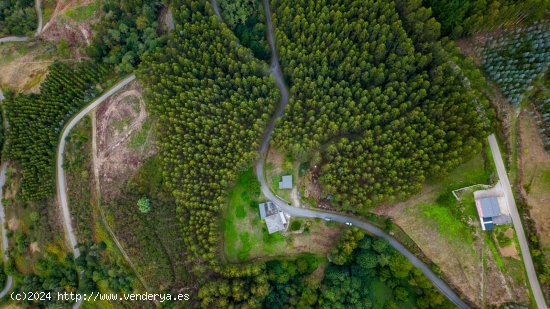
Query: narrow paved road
516	220
14	39
37	6
310	213
61	183
5	244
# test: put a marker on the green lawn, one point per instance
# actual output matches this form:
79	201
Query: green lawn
83	13
446	223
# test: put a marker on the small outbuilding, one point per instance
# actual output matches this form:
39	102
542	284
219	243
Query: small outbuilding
286	182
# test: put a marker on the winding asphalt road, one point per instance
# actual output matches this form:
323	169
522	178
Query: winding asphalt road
516	220
310	213
61	183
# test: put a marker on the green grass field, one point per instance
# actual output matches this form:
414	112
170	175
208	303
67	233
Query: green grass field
83	13
244	232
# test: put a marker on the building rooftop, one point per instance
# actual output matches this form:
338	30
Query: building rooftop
489	206
276	222
286	183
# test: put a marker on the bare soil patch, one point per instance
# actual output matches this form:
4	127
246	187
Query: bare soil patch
276	160
320	240
118	121
13	224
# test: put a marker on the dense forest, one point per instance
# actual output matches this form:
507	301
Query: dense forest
17	17
213	100
465	17
247	20
36	121
126	31
384	108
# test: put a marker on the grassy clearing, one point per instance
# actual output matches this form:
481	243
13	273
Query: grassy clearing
446	223
274	174
83	13
449	216
120	124
48	7
246	236
139	138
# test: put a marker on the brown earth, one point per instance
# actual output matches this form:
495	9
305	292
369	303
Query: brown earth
21	70
276	160
321	239
117	120
58	26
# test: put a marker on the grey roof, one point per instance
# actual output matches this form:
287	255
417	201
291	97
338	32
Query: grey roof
286	183
262	210
276	222
489	206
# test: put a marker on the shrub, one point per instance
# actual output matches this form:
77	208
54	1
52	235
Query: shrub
144	205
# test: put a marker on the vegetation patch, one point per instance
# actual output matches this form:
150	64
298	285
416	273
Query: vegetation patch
36	121
247	19
17	17
143	217
515	59
83	13
77	163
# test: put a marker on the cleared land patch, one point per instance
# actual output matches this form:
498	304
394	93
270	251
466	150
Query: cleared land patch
449	234
128	171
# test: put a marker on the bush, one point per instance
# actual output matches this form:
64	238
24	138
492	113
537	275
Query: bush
295	225
144	205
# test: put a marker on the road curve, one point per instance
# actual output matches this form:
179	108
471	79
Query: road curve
516	220
310	213
61	183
